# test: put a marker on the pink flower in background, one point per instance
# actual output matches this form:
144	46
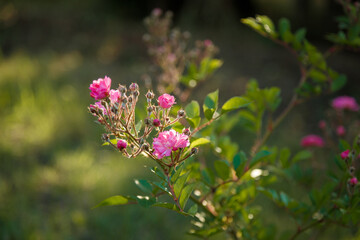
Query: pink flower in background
169	141
340	130
208	43
345	154
100	106
166	100
312	141
353	181
121	144
345	102
114	95
100	88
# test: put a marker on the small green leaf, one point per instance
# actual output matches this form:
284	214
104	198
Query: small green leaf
185	194
284	157
145	201
192	109
284	29
284	199
144	185
114	200
194	122
300	35
159	173
208	176
198	142
338	83
234	103
239	162
113	141
302	155
138	126
211	104
222	169
193	210
179	184
258	157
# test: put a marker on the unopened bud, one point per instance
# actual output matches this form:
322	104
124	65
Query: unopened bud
186	131
124	99
181	113
156	122
105	137
133	87
194	150
150	109
147	121
145	146
93	110
122	89
351	170
136	93
149	95
130	99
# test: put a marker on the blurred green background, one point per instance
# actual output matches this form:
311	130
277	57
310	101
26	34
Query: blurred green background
52	166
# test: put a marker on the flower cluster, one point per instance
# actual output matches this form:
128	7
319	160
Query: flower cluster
170	51
115	110
345	103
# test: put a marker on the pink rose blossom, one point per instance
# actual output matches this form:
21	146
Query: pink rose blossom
345	154
312	141
340	130
353	181
121	144
100	106
169	141
114	95
345	102
100	88
208	43
166	100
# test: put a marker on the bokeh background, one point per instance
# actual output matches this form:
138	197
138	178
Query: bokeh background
52	166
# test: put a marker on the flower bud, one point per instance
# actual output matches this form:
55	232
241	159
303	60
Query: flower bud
150	109
136	93
156	122
93	110
194	150
181	113
149	95
186	131
122	88
351	170
145	146
353	181
147	121
121	144
134	87
105	137
130	99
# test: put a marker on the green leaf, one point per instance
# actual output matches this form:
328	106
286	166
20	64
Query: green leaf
114	200
284	29
267	24
234	103
179	184
159	173
208	176
193	210
162	186
211	104
194	122
338	83
145	201
138	126
284	199
198	142
222	169
192	109
113	141
258	157
144	185
239	162
302	155
317	76
284	157
185	194
251	22
300	35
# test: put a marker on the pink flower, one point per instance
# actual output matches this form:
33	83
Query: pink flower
169	141
353	181
156	122
100	106
208	43
166	100
121	144
114	95
345	102
345	154
340	130
312	141
100	88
